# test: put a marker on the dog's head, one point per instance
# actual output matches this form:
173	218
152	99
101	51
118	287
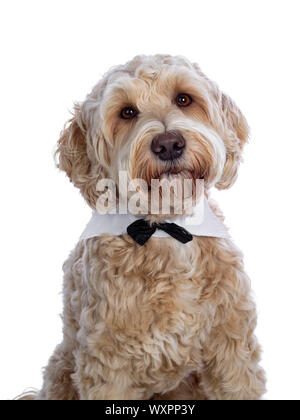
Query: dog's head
154	117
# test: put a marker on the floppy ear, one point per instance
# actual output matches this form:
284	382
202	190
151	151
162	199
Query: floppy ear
77	159
236	134
72	151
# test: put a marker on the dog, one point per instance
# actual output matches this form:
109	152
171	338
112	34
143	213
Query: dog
160	319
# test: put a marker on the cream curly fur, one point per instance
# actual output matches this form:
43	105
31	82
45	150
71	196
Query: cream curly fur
166	320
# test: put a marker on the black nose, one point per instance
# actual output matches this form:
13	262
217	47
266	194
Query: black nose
168	146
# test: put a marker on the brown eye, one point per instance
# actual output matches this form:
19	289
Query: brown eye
183	99
128	113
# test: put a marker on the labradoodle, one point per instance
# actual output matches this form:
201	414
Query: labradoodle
157	317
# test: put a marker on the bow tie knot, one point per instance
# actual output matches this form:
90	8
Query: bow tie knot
141	231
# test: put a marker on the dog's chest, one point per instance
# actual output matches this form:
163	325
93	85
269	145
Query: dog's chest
143	288
147	300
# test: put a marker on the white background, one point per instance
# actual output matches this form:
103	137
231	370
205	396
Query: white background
52	53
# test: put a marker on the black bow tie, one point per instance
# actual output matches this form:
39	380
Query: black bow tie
141	231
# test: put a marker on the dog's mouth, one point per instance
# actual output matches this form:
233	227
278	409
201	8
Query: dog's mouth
175	174
180	172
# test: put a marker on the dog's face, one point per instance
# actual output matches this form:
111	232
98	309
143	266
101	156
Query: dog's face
156	117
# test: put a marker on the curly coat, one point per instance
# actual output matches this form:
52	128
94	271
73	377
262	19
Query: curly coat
165	320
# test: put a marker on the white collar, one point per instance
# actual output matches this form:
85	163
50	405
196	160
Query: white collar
203	223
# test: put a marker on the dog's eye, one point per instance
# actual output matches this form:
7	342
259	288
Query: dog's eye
128	113
183	99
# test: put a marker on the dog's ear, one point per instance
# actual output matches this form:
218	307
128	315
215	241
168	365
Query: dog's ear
236	134
78	159
71	150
